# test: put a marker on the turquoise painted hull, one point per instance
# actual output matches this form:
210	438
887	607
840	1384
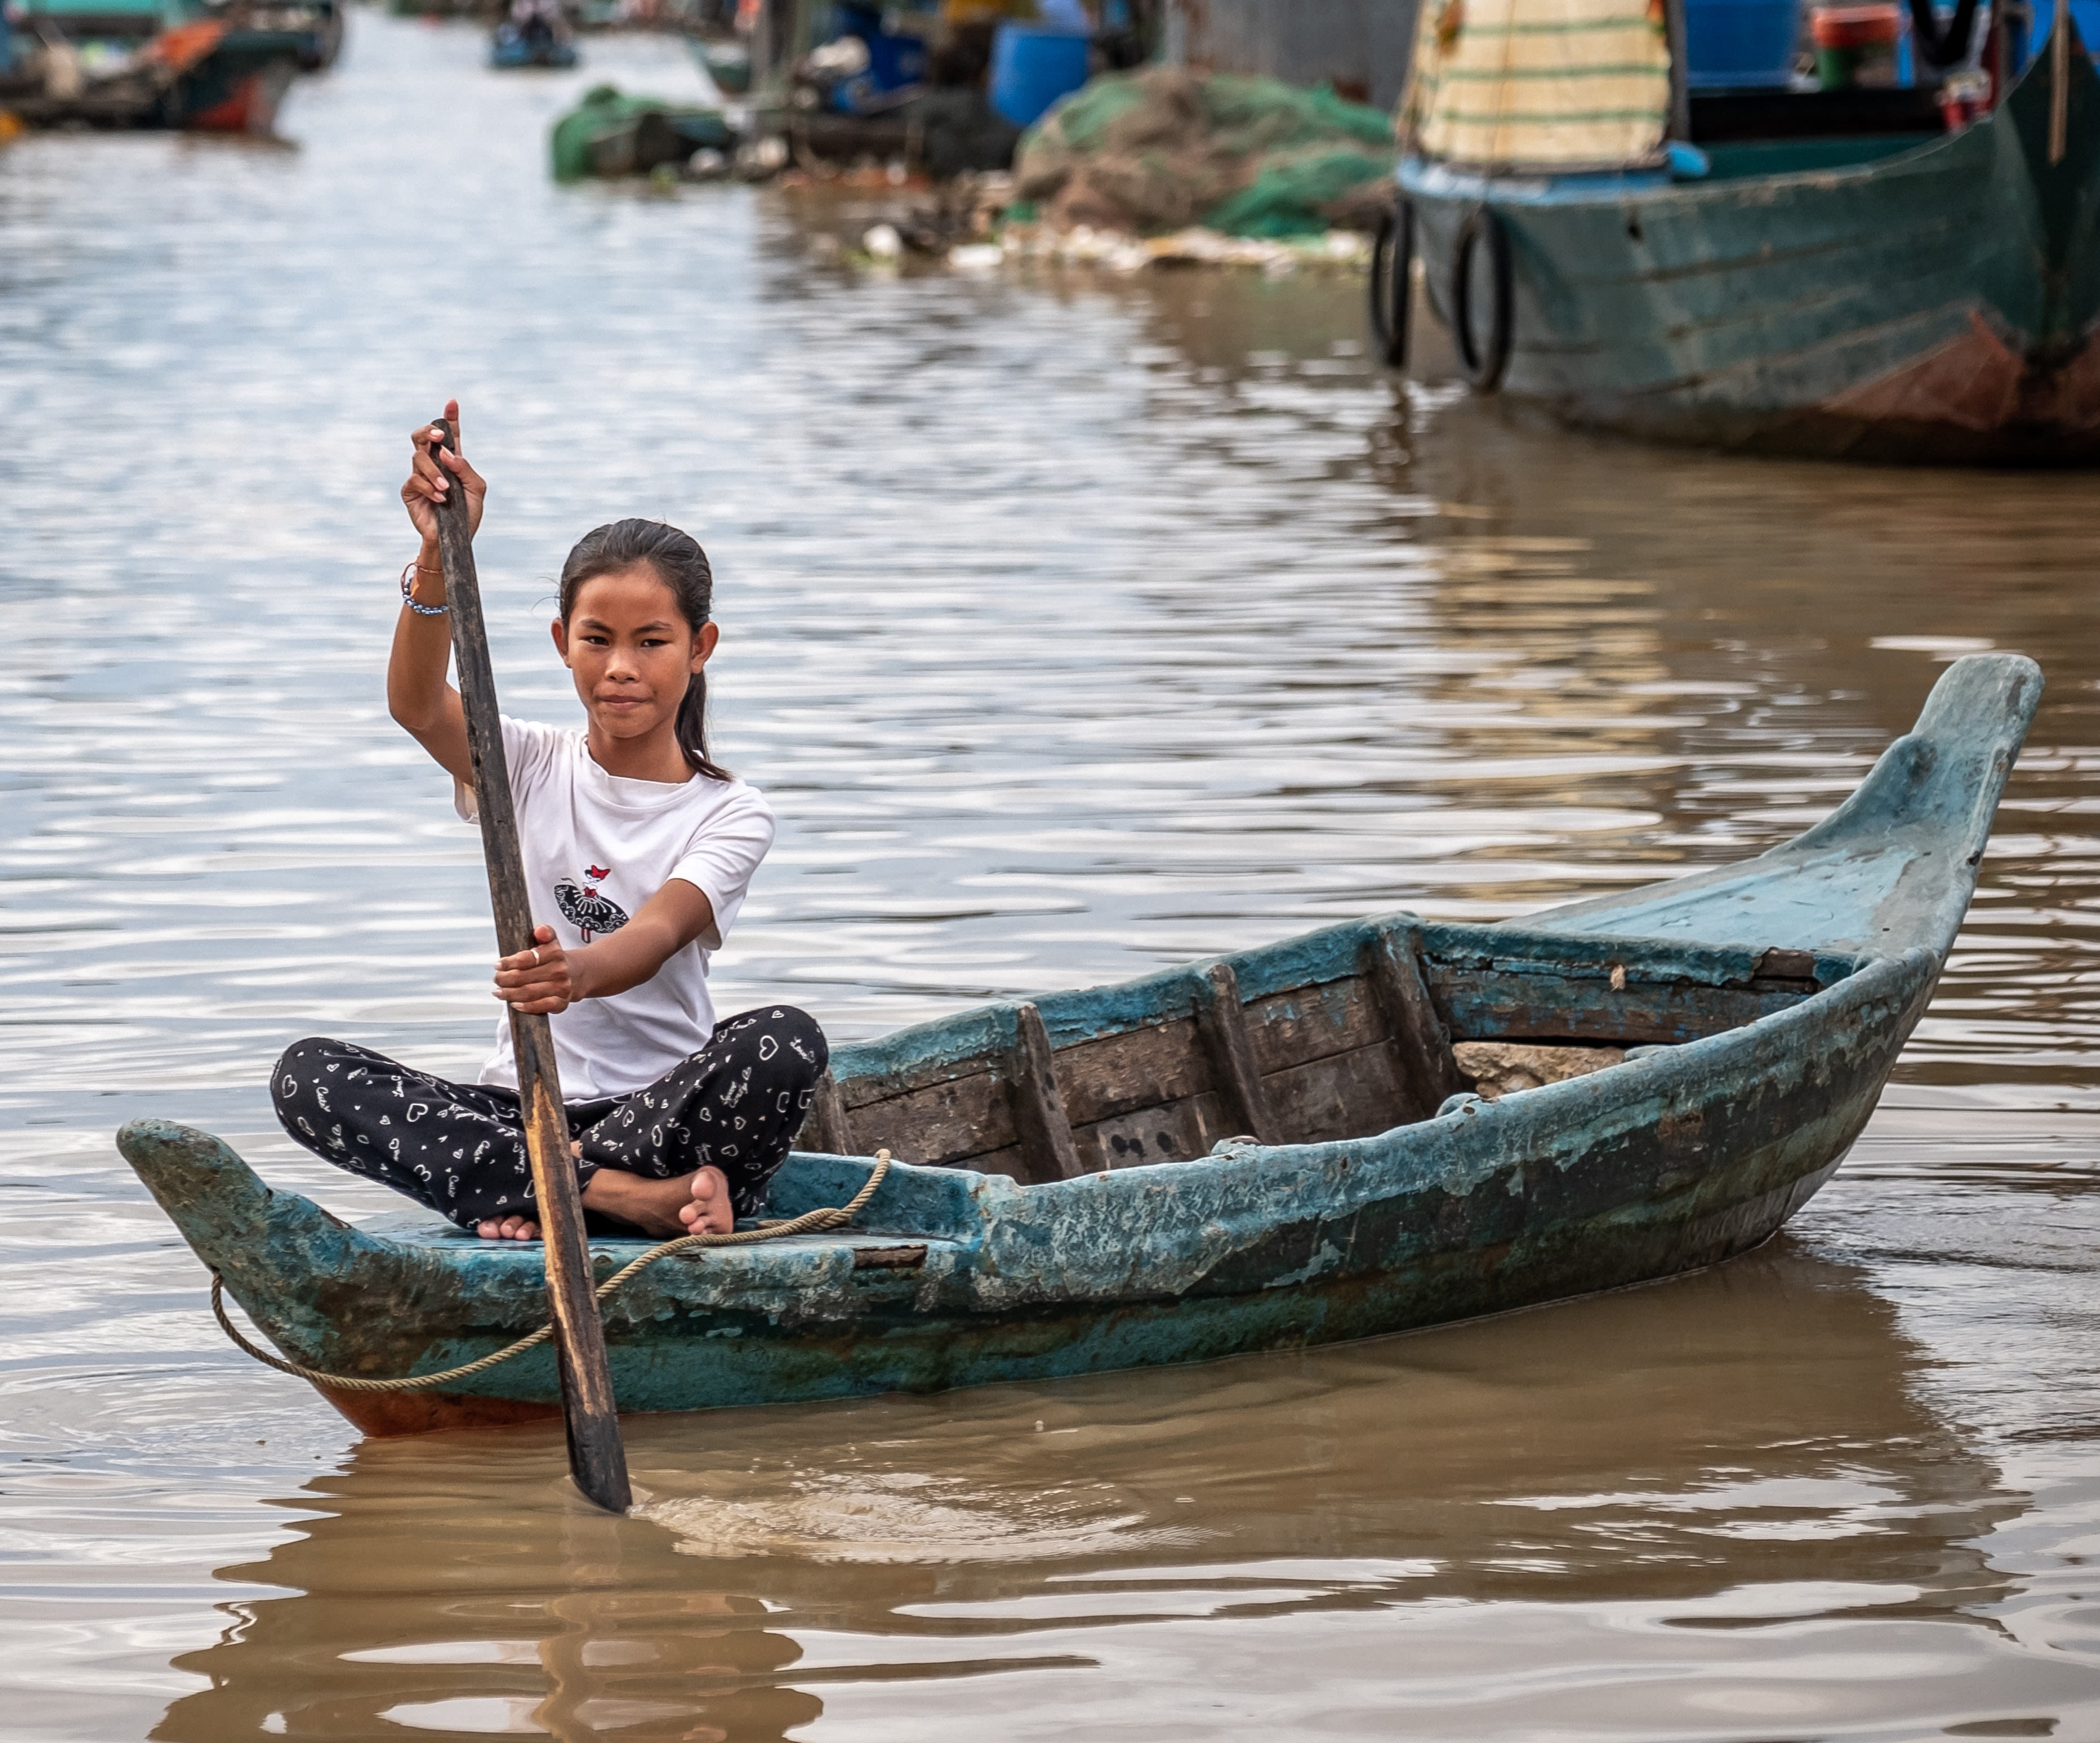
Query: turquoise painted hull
1936	303
1816	961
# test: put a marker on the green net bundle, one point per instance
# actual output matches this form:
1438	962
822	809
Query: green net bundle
1161	149
609	134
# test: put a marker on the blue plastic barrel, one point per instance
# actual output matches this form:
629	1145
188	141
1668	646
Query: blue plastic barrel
1740	45
1032	68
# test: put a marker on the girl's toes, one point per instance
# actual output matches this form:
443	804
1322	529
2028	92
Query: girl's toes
708	1211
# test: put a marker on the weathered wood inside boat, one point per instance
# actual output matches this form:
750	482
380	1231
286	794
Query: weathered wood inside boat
1080	1190
1161	1070
1503	1068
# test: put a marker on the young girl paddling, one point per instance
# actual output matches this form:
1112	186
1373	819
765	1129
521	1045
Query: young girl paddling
638	851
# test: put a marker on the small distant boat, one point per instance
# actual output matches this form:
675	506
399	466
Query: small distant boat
513	46
1869	273
1265	1150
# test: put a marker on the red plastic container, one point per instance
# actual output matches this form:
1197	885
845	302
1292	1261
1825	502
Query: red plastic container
1855	44
1856	26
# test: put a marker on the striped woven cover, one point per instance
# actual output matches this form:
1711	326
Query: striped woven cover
1553	84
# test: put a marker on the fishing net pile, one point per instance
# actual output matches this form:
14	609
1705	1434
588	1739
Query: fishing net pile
609	134
1165	148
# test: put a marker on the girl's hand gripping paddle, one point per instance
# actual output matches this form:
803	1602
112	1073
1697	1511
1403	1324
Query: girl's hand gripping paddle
597	1459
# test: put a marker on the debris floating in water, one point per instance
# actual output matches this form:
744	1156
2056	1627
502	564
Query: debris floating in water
1345	250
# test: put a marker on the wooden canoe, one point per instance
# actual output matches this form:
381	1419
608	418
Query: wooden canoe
1259	1151
1847	278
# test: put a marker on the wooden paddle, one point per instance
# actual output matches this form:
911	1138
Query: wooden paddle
597	1459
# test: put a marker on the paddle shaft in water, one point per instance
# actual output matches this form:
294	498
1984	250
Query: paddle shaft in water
597	1459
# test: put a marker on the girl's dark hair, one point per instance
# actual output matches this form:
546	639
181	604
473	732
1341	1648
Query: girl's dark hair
682	566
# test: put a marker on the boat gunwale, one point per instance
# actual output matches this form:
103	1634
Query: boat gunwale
1649	1066
820	1175
996	1198
1591	189
905	1059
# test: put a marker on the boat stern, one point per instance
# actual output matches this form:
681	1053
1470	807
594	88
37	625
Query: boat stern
331	1296
235	1223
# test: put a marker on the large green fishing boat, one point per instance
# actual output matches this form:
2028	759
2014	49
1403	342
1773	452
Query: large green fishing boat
1874	273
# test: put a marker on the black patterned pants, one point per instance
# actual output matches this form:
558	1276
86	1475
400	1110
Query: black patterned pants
459	1148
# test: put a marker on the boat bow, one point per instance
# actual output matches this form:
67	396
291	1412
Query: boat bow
1891	868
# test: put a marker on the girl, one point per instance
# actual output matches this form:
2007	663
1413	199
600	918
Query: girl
638	851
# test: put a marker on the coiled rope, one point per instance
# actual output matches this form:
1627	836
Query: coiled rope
810	1222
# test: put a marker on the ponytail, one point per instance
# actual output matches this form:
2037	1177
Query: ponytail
683	567
692	728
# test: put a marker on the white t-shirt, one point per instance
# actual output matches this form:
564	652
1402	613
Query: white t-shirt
597	846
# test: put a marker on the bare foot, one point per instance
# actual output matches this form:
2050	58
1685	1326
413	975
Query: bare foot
709	1213
657	1207
518	1228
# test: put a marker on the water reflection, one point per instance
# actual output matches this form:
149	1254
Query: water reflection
1744	1450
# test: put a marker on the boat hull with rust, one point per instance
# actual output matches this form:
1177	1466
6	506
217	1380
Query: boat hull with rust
1261	1151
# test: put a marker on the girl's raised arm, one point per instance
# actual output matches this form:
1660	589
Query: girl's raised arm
416	693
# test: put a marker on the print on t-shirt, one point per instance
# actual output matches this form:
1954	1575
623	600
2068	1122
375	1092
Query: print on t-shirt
612	841
585	909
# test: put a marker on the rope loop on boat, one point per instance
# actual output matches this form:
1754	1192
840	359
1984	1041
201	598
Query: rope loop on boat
810	1222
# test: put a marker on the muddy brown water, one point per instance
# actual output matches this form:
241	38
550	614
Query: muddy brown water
1075	626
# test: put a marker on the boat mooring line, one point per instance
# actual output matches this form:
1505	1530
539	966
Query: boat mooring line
810	1222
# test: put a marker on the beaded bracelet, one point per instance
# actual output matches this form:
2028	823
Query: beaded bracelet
408	593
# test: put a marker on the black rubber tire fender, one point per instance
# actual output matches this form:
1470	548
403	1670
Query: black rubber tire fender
1393	284
1481	363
